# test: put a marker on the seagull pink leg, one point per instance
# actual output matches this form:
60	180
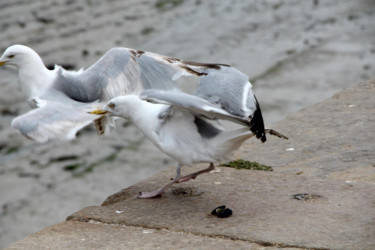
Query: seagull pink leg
159	191
177	179
195	174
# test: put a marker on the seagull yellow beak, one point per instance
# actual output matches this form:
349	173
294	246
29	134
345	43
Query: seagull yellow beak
98	112
2	63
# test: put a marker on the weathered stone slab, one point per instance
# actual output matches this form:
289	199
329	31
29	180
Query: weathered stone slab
339	215
79	235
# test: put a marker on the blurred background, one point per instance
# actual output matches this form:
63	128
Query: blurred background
296	53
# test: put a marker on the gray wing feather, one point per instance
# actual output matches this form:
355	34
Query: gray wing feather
113	74
157	74
194	104
227	87
53	121
119	72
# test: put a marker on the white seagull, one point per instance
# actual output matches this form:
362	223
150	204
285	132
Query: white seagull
185	127
121	71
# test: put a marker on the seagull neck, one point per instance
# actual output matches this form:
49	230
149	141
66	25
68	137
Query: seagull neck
144	115
136	109
34	78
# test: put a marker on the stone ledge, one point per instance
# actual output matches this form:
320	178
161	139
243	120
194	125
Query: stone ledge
73	235
331	161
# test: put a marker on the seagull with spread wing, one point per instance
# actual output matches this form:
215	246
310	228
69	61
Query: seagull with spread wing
183	126
120	71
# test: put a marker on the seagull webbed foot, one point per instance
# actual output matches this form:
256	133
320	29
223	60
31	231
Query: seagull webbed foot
159	191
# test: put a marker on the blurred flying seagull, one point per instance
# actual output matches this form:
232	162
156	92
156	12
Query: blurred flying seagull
183	126
121	71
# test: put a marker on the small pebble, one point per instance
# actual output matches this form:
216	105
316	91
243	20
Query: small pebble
222	212
226	213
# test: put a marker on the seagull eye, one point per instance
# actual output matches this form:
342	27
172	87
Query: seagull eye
111	105
10	56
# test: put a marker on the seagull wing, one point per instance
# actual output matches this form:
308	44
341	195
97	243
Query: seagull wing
190	103
229	88
54	121
218	83
120	71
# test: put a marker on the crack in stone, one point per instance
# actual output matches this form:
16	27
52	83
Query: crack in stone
214	236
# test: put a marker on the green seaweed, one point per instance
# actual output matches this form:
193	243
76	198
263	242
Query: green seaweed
272	70
73	167
242	164
147	30
162	4
64	158
81	169
134	146
11	150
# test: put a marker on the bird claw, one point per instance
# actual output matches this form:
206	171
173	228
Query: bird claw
152	194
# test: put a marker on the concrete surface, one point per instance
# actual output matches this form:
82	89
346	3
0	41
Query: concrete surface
74	234
329	157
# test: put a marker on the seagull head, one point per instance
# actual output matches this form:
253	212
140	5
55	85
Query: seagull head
20	56
119	106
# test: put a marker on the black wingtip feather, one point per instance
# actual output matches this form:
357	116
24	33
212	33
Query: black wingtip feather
257	124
